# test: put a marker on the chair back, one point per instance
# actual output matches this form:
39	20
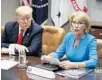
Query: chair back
99	50
52	38
2	29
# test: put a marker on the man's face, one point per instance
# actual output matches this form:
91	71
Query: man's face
24	21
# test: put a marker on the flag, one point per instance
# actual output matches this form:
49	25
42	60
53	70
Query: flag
77	5
62	9
59	12
25	2
40	10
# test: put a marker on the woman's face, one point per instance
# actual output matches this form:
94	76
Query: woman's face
78	26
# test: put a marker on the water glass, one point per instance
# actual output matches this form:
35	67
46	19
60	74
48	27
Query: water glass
22	60
98	73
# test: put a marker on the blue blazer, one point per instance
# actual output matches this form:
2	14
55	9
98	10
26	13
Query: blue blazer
32	38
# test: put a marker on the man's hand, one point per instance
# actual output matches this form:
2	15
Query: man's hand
21	48
18	47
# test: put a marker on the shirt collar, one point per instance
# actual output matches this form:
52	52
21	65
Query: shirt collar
23	29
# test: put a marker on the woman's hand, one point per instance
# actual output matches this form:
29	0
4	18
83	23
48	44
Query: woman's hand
52	55
50	60
66	64
43	59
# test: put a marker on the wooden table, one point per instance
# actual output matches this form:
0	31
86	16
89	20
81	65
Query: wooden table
20	74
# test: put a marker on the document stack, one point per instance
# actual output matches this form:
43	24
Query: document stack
76	74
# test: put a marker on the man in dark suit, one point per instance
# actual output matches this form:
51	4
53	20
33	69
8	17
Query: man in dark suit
31	39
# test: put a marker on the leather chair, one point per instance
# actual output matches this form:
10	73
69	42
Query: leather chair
52	38
99	50
2	29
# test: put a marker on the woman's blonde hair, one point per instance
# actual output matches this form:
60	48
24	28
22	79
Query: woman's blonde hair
83	17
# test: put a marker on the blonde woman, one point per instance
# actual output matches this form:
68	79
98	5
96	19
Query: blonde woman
78	45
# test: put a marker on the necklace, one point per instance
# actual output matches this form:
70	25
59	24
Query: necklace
76	43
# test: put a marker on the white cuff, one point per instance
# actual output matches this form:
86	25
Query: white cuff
12	49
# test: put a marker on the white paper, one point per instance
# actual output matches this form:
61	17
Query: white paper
7	64
54	61
51	60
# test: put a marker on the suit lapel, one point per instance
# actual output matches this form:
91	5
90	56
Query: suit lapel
27	36
14	33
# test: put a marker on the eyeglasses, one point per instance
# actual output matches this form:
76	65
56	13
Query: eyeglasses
78	23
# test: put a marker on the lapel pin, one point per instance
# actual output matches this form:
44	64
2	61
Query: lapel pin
28	34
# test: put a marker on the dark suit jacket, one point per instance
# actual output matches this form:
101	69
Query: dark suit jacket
32	38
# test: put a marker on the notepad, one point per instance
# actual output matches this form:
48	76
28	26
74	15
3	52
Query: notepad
49	67
74	73
7	64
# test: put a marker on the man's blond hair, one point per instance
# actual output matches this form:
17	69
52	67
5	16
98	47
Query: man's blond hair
24	10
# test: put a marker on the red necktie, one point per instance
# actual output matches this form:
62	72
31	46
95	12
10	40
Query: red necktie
20	37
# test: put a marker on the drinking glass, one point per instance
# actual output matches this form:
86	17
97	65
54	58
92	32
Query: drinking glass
98	73
22	60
